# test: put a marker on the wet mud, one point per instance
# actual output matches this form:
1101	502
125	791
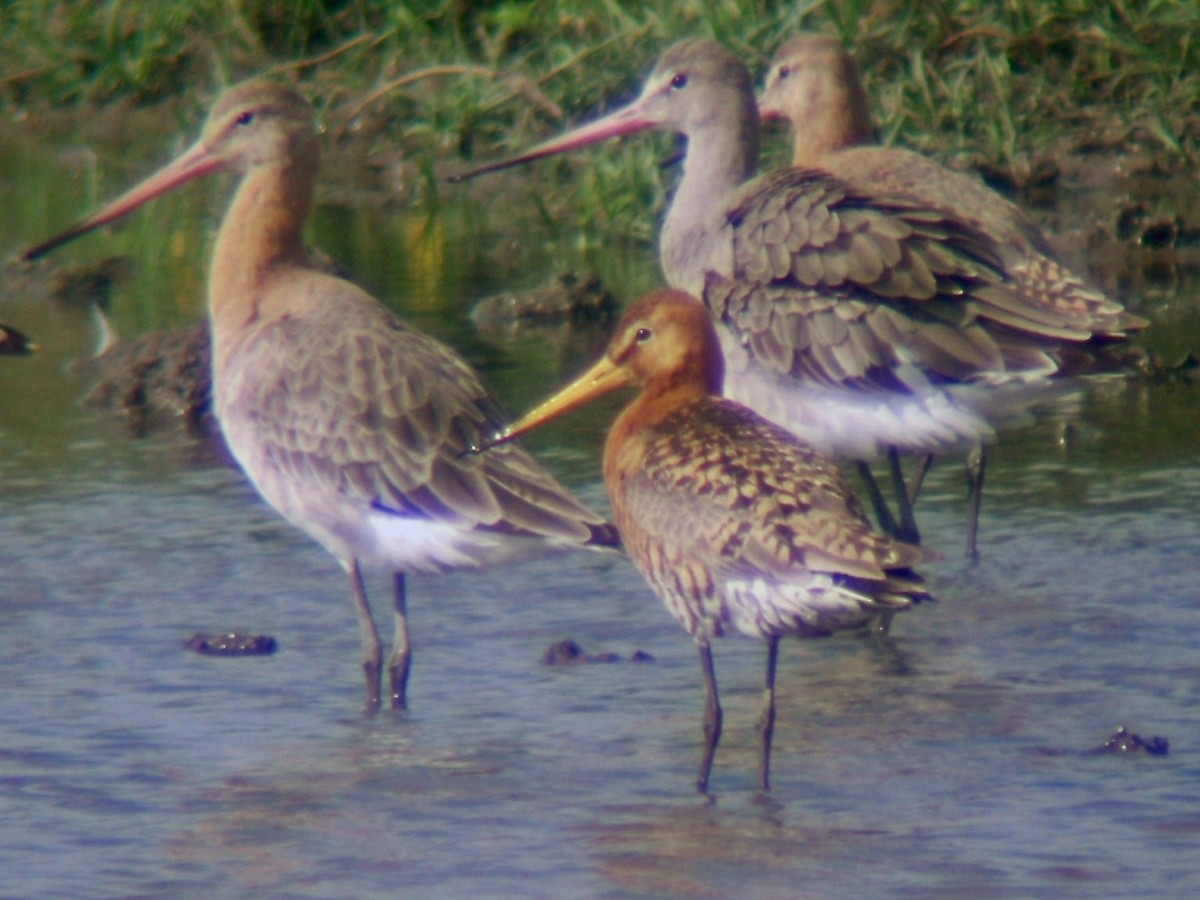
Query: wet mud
569	652
232	644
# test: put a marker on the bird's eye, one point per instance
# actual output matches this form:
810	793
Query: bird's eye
679	81
643	335
245	118
784	72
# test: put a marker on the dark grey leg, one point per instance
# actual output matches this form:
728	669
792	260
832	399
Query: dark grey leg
400	660
712	717
976	468
766	719
883	623
883	515
372	648
924	464
907	531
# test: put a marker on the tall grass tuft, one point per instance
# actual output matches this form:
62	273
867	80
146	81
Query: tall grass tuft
992	83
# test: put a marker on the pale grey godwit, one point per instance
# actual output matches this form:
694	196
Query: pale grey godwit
813	83
353	425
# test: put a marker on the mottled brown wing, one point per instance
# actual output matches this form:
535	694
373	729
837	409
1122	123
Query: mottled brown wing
1055	296
807	228
873	280
1087	310
386	414
834	339
725	486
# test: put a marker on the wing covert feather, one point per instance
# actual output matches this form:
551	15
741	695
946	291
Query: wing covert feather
385	415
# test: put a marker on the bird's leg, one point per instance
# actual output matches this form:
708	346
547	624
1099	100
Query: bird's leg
883	623
400	660
372	648
712	716
924	464
766	719
883	515
907	531
976	467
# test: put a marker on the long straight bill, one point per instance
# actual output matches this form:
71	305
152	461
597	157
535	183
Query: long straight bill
627	120
602	378
196	161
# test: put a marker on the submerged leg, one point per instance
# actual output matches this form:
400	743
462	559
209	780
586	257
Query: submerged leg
883	515
766	719
924	464
907	531
712	717
400	660
976	468
372	648
882	624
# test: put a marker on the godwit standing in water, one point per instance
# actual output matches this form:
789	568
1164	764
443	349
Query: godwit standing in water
734	521
860	322
352	424
813	83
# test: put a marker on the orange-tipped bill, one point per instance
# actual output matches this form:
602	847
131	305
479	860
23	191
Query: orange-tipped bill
627	120
197	161
602	378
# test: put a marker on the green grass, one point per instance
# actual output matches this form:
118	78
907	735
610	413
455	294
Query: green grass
993	83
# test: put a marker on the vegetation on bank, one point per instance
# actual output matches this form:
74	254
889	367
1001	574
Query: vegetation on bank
999	84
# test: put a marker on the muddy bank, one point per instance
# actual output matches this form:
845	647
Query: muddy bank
160	378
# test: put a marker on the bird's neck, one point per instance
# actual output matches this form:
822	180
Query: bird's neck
634	432
261	234
654	404
721	157
841	130
834	119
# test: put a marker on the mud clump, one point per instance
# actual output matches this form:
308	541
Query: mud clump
568	652
160	376
1121	742
231	644
573	313
1125	742
567	299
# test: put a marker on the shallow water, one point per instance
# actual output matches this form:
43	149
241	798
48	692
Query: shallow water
943	762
